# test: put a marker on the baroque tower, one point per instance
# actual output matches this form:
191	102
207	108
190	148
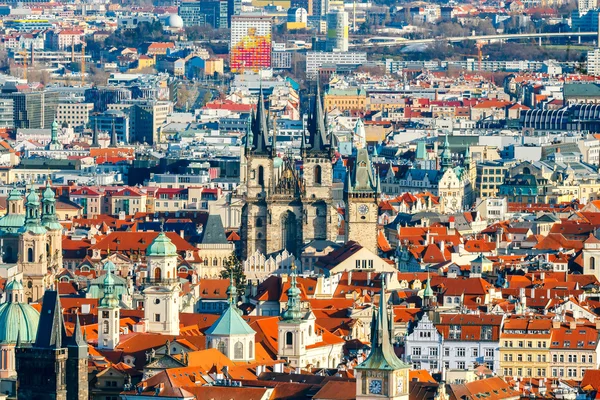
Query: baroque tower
161	295
361	192
382	375
108	315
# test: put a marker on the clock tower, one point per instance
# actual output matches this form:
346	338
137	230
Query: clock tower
361	193
382	375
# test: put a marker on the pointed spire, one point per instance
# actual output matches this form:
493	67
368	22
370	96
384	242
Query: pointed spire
446	158
293	313
95	133
362	179
231	291
374	329
51	328
260	129
316	126
348	182
113	136
77	337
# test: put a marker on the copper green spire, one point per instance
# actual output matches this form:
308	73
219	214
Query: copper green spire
293	313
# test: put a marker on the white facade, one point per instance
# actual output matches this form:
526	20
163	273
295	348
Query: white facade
296	340
593	60
424	346
161	298
315	59
108	327
241	25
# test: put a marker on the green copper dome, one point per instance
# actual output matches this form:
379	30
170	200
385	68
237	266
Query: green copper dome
33	198
109	300
48	194
13	285
14	195
18	320
161	247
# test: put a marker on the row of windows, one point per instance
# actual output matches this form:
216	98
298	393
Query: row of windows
521	357
460	352
528	372
530	344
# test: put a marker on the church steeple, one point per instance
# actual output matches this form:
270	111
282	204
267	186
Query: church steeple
316	127
293	312
446	156
260	129
382	374
49	218
32	214
362	177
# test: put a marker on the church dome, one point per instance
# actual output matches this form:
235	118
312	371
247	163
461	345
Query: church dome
175	21
18	320
48	194
32	197
162	246
109	266
277	162
109	300
14	195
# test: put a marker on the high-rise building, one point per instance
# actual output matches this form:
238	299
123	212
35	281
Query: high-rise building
337	31
593	62
145	118
583	6
35	109
213	13
250	46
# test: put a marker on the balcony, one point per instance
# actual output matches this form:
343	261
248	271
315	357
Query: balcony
423	357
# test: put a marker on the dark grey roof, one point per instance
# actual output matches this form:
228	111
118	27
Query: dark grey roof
320	245
213	232
51	329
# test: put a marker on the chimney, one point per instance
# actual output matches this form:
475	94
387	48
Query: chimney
368	278
442	246
532	295
573	325
181	234
542	276
555	324
597	321
349	277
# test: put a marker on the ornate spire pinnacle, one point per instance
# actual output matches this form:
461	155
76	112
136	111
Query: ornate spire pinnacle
231	291
293	313
316	126
260	129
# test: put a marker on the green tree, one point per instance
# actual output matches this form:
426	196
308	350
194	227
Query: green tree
233	265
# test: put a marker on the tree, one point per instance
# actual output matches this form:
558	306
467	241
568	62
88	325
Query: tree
233	265
97	76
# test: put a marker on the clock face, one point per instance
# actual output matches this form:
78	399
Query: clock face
363	209
375	386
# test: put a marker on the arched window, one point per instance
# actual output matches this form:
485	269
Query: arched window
592	263
222	347
157	274
14	208
29	285
289	339
105	327
250	350
214	262
30	255
238	351
261	176
318	175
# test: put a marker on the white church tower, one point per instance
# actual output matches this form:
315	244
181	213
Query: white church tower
108	315
161	296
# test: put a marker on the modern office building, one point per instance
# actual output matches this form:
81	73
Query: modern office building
250	47
112	121
74	114
213	13
145	118
33	109
316	59
337	31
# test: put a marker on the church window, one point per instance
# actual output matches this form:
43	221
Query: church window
222	347
259	222
29	285
318	175
250	349
156	317
238	351
157	274
156	301
214	262
14	208
105	327
592	263
261	176
30	255
289	339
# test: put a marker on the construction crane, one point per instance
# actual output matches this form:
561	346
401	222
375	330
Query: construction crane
479	45
24	53
82	63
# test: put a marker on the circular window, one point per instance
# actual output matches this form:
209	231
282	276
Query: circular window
156	301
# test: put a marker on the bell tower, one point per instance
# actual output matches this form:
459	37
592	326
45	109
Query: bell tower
361	192
259	163
161	295
320	215
108	315
382	375
50	222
